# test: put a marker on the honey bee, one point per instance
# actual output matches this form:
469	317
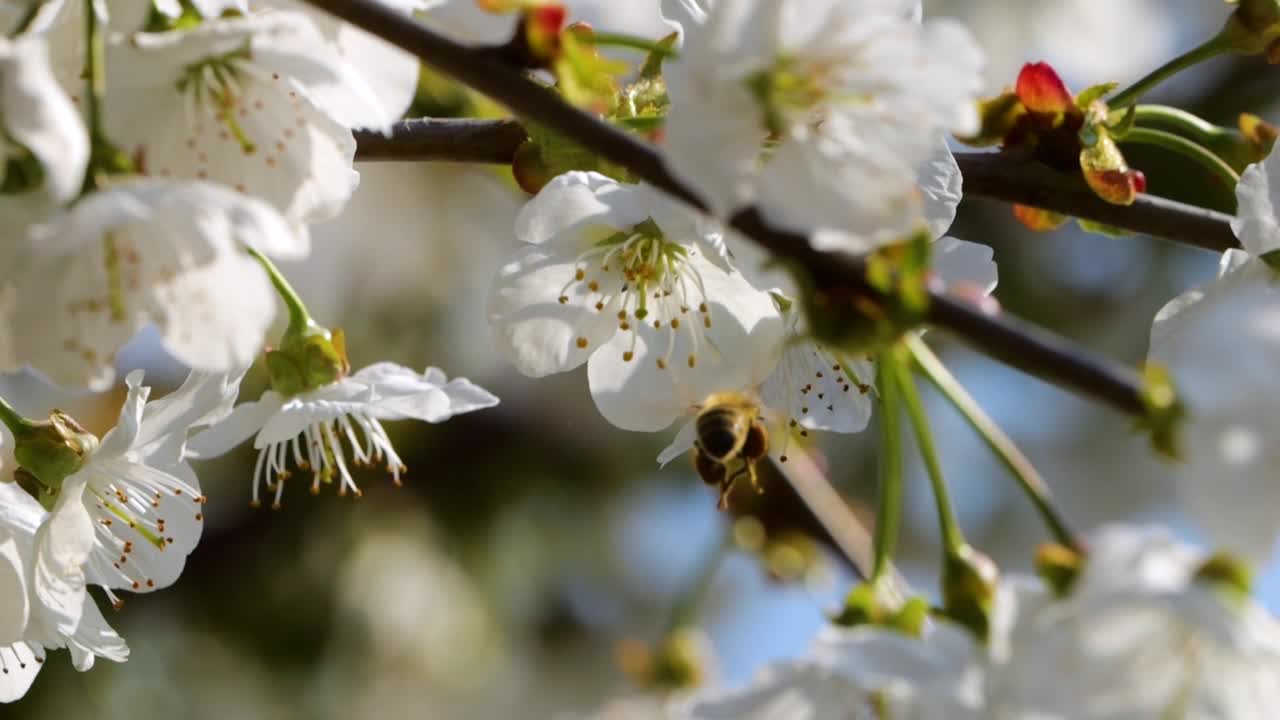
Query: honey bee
730	439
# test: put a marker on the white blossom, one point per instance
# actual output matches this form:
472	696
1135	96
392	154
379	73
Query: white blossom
637	287
1228	483
310	427
860	672
256	103
1138	636
849	97
142	252
24	542
125	520
1257	221
41	131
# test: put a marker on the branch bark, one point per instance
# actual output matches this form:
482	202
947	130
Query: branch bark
1038	352
999	176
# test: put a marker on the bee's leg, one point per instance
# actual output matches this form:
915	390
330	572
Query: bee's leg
723	502
751	475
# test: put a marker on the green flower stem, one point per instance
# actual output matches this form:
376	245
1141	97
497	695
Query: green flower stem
1180	122
1187	148
15	421
95	70
612	39
952	535
1226	143
1214	47
299	319
889	510
1027	477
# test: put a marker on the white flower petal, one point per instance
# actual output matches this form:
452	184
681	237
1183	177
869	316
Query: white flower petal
681	444
959	263
942	186
572	200
15	603
399	393
241	424
467	21
62	545
94	638
36	114
21	663
120	439
204	399
537	333
1257	222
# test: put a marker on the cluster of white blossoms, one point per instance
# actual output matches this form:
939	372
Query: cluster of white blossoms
1146	629
159	155
833	112
156	157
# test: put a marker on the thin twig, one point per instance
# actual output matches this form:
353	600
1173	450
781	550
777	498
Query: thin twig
1048	356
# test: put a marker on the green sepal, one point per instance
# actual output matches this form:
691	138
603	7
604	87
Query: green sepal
308	361
1253	28
1086	97
652	68
969	589
1164	410
1059	566
48	452
864	605
1228	573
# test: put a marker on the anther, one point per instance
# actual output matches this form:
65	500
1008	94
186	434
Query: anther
627	356
582	342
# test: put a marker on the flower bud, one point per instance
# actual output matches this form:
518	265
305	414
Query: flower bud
969	589
1164	411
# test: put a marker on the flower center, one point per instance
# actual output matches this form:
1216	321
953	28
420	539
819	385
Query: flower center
318	449
789	89
215	82
645	278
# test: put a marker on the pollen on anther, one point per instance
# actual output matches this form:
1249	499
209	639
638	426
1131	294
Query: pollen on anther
627	356
692	361
579	275
625	326
657	324
594	286
804	410
199	517
151	583
675	323
662	364
599	306
136	584
582	342
564	299
702	308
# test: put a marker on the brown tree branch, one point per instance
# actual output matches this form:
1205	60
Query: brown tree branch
1007	177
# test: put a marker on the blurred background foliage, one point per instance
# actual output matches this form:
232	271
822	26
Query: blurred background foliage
533	541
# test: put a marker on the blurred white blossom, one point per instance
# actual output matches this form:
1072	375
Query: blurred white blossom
144	251
849	97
